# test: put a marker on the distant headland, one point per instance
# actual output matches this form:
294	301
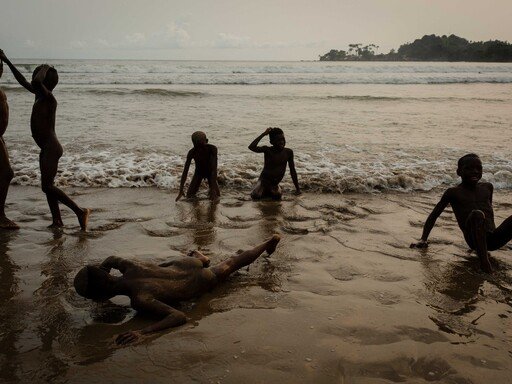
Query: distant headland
428	48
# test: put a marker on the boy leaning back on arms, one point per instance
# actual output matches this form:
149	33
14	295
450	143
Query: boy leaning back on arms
471	202
276	158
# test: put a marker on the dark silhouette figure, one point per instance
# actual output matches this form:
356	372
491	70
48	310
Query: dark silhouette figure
42	125
6	173
274	168
471	202
153	289
205	158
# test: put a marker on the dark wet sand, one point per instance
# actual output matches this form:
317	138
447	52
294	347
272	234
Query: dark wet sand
343	299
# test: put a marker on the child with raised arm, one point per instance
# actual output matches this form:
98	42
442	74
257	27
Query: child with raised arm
154	289
471	202
6	173
205	159
275	159
42	125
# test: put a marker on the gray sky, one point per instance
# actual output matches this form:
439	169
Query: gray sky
236	29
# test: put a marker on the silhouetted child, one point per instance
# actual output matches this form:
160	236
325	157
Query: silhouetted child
42	125
274	168
471	202
6	173
205	159
153	289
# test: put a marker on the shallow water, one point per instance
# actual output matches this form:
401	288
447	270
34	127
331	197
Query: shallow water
359	127
343	299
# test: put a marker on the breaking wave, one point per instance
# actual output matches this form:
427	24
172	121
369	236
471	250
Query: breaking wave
316	173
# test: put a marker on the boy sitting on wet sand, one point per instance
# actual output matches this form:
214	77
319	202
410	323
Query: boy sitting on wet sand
6	173
276	158
471	202
42	125
153	289
205	158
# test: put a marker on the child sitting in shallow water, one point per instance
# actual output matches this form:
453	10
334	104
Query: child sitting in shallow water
471	202
276	158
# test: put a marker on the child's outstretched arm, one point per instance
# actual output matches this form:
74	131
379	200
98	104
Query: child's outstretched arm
184	175
17	75
254	145
431	220
293	173
149	305
213	161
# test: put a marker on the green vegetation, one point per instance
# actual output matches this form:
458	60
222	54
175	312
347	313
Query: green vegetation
428	48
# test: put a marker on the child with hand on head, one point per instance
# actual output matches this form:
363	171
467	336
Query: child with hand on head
276	158
205	159
471	202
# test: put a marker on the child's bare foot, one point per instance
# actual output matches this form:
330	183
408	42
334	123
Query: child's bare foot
56	224
5	223
272	244
83	219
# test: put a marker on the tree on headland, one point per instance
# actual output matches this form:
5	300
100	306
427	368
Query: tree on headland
429	48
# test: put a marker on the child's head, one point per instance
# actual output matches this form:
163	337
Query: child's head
276	137
93	283
199	138
469	168
50	80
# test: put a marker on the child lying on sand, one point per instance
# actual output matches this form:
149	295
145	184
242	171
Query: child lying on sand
471	202
152	289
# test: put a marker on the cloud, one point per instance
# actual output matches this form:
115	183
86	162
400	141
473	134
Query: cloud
227	40
77	44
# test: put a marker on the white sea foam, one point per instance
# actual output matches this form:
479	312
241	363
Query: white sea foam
317	173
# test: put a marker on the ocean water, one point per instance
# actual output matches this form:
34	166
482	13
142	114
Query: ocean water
358	127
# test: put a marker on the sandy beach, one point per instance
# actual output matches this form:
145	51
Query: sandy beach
343	299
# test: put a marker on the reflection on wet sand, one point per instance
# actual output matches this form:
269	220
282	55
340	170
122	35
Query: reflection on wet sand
200	216
456	292
11	312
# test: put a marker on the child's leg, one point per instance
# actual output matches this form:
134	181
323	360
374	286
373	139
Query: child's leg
257	192
214	188
234	263
195	183
475	226
48	163
275	192
501	236
6	175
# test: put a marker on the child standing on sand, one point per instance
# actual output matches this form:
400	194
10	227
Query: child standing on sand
6	173
205	159
471	202
276	158
42	125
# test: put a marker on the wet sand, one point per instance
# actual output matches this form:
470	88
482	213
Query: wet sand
342	300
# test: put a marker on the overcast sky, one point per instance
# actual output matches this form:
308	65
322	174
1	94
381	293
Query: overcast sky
236	29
